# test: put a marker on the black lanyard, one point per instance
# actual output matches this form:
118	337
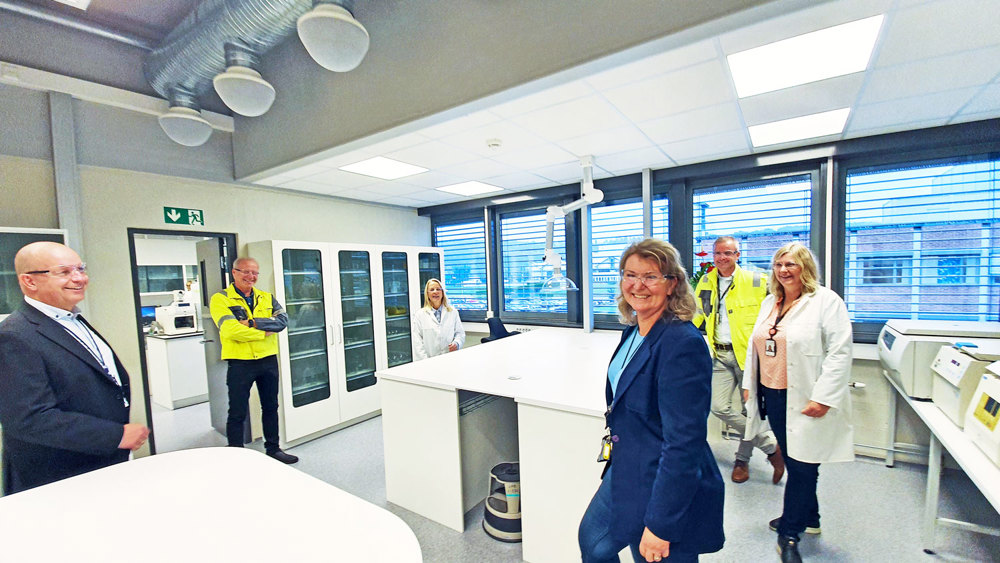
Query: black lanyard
774	328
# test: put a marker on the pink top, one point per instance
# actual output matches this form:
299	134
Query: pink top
773	369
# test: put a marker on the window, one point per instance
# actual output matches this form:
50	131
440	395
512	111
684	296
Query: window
661	218
876	271
522	238
612	227
154	279
763	216
933	227
464	246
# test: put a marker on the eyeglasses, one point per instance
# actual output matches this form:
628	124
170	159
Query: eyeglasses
62	271
648	280
786	265
247	272
726	253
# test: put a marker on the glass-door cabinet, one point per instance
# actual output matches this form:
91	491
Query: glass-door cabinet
396	297
357	316
307	327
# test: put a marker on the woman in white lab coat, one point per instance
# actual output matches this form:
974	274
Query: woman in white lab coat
795	379
437	329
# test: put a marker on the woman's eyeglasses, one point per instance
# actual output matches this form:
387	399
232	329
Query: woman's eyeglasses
648	280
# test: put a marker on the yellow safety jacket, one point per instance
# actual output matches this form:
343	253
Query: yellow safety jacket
241	342
742	305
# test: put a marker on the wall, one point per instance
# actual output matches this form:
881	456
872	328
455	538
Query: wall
165	252
27	193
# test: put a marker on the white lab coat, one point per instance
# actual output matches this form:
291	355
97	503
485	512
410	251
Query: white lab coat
431	338
819	357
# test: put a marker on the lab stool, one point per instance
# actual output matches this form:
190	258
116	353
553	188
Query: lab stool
502	515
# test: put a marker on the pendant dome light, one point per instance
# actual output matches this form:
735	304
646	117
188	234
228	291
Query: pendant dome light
332	36
241	86
183	122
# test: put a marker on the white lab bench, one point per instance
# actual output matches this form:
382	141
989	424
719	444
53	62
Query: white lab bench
556	378
200	505
945	433
176	369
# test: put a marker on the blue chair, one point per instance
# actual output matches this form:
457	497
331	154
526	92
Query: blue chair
497	331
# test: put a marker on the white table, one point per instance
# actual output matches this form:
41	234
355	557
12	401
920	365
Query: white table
208	504
556	377
969	457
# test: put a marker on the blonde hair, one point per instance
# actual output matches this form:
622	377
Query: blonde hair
680	302
805	258
427	296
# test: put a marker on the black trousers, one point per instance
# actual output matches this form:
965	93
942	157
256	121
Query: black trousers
801	506
241	375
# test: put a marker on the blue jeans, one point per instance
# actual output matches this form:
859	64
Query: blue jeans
801	507
596	543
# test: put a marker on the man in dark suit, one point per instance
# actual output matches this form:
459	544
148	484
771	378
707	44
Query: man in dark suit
64	395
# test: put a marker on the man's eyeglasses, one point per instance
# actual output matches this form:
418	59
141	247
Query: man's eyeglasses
726	253
649	280
62	271
248	272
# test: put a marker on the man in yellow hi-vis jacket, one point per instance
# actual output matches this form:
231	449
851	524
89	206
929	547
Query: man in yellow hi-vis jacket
249	320
728	300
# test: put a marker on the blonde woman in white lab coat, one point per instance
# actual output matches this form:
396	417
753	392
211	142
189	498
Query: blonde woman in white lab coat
795	380
437	329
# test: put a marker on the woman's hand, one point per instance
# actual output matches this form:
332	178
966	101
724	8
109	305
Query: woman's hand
746	395
815	410
652	547
452	347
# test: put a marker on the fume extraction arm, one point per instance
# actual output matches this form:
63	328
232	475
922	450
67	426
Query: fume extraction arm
589	195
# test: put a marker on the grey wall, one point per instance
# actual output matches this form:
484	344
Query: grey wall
24	123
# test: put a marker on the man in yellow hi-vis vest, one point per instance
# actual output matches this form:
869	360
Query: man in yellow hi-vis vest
728	301
249	320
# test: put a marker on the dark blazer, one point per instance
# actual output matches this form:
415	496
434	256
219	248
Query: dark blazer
62	415
663	474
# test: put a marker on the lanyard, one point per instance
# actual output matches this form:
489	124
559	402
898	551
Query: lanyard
781	314
722	296
91	347
630	352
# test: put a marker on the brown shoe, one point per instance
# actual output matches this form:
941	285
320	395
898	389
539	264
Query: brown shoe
778	463
740	471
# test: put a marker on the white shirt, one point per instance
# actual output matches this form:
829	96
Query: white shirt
722	334
87	338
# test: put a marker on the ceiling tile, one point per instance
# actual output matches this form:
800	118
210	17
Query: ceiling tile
403	201
572	119
616	140
536	157
391	188
513	138
305	171
310	186
932	108
435	197
807	99
339	179
543	99
518	181
709	147
628	162
986	101
654	65
432	155
567	173
274	181
460	124
939	28
694	87
932	75
433	179
697	123
482	168
396	143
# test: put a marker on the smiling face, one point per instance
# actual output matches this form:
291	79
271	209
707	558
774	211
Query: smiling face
434	294
245	274
52	288
647	298
725	256
788	272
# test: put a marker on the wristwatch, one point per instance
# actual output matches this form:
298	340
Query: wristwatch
252	324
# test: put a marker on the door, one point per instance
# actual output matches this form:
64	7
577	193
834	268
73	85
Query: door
353	286
214	260
396	301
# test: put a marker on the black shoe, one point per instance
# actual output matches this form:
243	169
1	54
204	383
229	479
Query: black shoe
283	457
788	548
813	530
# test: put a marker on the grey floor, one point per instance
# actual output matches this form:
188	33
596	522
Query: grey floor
869	512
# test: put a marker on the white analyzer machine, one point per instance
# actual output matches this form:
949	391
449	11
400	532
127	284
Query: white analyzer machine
957	371
908	347
984	413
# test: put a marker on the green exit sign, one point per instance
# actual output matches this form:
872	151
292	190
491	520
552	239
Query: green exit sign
183	216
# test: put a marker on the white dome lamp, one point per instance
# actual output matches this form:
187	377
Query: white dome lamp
332	36
240	86
183	123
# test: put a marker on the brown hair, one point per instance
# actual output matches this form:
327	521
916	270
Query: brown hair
680	302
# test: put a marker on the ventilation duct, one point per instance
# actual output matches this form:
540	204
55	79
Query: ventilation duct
224	38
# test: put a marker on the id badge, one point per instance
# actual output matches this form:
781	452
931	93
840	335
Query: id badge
605	454
770	347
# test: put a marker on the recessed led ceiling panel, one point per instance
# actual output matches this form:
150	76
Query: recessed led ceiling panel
470	188
798	128
384	168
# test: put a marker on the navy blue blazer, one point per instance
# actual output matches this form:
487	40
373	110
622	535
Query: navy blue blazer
62	414
663	474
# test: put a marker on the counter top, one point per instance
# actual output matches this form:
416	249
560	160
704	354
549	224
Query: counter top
174	336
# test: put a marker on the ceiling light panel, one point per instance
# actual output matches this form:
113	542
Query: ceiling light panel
470	188
384	168
799	128
81	4
826	53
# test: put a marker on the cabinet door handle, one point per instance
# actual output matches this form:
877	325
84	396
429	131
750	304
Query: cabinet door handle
205	341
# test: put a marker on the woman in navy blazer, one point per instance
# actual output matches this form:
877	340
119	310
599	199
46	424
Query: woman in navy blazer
662	492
